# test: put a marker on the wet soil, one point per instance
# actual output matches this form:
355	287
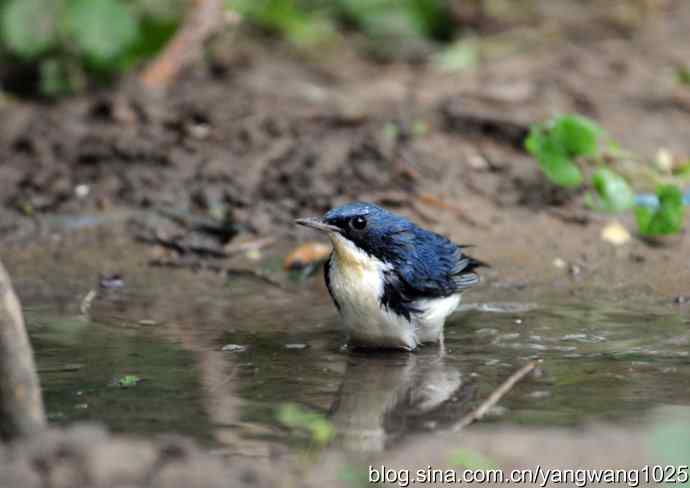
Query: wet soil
259	136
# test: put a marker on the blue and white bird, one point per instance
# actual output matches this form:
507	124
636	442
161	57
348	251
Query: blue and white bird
393	283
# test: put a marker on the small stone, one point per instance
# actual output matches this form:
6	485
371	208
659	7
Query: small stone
199	131
615	233
559	263
233	348
664	160
82	191
296	346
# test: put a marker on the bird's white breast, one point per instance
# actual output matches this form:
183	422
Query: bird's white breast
357	283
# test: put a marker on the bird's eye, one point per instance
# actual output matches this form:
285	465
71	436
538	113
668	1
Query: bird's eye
358	223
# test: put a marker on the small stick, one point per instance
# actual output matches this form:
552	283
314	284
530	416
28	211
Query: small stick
495	396
203	19
21	403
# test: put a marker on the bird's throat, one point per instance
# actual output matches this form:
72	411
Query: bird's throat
349	258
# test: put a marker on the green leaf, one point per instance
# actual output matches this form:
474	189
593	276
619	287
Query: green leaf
28	27
552	158
101	29
667	218
577	135
614	193
295	417
128	381
556	144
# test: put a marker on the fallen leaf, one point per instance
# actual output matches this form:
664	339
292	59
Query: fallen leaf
305	254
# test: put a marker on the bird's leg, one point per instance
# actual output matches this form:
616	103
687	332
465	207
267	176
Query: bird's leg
442	345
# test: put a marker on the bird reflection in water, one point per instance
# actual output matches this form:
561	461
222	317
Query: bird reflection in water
387	395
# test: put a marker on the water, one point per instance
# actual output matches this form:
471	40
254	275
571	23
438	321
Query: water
609	355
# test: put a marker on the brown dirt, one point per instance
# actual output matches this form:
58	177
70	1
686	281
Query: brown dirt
258	136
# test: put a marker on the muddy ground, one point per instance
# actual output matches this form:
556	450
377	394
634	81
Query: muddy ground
259	135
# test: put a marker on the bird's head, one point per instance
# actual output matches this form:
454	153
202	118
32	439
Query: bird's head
361	231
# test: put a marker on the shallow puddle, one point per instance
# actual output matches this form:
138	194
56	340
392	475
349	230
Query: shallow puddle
184	352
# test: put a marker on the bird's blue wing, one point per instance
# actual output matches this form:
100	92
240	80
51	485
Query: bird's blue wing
435	267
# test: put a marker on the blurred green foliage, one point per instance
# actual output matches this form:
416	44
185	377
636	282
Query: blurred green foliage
559	142
68	42
568	144
303	23
667	218
312	22
293	416
127	381
683	75
613	192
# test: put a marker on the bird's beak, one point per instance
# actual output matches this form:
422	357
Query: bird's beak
317	224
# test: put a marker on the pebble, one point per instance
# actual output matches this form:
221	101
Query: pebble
615	233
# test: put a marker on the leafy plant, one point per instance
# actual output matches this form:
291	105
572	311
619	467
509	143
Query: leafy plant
72	40
27	27
557	144
316	425
102	29
302	23
614	193
563	142
667	218
311	22
403	19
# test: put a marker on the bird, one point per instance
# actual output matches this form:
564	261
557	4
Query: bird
393	283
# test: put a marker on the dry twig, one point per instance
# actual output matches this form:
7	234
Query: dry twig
202	20
495	396
21	405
